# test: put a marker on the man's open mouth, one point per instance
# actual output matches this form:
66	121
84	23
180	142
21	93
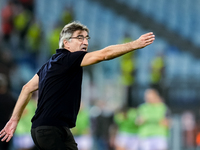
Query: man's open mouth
84	49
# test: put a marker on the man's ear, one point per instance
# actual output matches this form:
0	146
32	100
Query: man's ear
66	44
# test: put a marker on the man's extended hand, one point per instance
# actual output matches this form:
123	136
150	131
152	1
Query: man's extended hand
144	40
8	131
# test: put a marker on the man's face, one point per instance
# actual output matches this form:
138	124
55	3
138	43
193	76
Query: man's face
78	41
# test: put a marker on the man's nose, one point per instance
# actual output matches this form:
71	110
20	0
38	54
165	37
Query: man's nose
85	41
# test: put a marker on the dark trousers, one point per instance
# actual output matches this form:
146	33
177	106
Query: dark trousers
5	145
53	138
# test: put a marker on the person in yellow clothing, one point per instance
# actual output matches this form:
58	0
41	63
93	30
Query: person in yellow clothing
21	23
157	72
128	72
66	17
34	37
53	39
22	138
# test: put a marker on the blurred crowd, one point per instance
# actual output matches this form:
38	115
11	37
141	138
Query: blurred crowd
149	126
21	40
146	127
132	127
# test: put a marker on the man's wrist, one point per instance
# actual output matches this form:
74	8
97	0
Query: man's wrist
133	45
15	118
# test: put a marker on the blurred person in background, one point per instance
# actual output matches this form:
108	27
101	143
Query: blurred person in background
21	22
188	125
27	4
67	16
128	72
53	39
101	121
33	40
7	15
59	83
7	103
197	130
126	138
81	132
6	64
154	122
157	72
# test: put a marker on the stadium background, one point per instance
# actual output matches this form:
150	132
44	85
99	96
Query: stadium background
176	24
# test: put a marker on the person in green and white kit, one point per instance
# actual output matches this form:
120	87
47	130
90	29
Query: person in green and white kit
126	137
82	130
153	121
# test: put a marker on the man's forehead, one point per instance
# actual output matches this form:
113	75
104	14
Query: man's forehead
80	32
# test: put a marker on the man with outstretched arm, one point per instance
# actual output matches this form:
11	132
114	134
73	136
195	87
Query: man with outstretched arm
58	83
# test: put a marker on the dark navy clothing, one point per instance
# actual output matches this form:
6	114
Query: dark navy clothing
53	138
60	82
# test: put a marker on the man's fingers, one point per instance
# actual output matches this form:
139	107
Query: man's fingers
5	137
149	34
9	137
2	133
150	39
149	43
